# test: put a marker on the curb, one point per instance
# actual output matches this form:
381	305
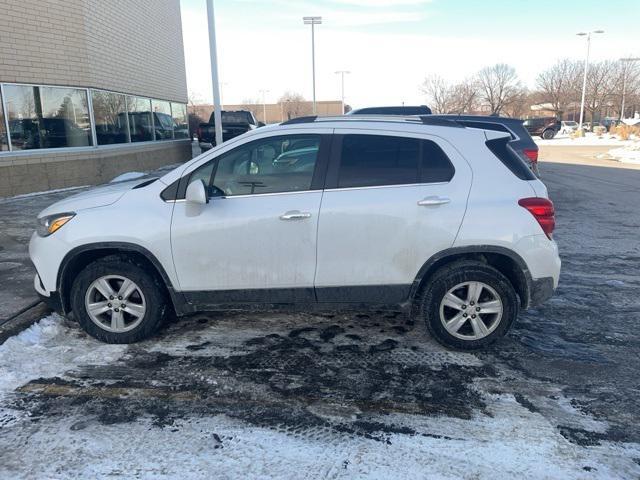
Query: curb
23	320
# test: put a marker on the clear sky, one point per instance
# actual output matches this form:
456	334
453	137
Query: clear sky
391	45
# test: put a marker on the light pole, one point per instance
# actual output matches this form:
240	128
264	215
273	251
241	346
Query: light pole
313	21
264	105
213	53
624	81
586	67
342	74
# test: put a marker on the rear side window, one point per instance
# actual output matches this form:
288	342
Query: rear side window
376	160
501	149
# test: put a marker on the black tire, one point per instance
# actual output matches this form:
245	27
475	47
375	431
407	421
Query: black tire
548	134
149	284
452	275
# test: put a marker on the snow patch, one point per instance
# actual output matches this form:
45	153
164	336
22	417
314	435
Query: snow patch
589	140
48	349
626	154
127	176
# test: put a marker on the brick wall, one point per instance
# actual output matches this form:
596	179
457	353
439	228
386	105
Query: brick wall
36	173
130	46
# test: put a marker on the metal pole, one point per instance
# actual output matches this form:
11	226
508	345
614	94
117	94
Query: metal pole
584	82
217	113
624	88
313	64
625	61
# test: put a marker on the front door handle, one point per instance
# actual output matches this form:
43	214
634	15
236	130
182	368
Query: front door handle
294	215
434	200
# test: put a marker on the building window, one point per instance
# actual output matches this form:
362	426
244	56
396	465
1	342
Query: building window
40	117
164	125
22	115
110	116
4	139
65	118
47	117
181	120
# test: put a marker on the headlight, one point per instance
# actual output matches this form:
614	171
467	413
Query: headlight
52	223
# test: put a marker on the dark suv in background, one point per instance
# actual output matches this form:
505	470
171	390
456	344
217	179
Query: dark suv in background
545	127
521	140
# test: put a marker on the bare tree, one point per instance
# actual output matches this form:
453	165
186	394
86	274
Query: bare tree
464	96
602	78
438	93
499	86
559	85
294	105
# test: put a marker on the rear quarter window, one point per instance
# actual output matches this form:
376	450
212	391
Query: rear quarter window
501	149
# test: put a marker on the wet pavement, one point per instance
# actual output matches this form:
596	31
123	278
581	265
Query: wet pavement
559	397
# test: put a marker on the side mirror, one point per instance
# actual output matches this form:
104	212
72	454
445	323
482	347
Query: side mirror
261	124
197	193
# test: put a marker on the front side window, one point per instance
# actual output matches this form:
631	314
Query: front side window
274	165
110	114
4	139
162	119
376	160
140	123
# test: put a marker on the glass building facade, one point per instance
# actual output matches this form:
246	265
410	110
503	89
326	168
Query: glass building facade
37	117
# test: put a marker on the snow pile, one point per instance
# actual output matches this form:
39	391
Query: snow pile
48	349
589	140
626	154
127	176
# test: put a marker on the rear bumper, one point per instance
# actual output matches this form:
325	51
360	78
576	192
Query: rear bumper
540	290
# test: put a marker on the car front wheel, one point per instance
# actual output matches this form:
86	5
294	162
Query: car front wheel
468	305
117	301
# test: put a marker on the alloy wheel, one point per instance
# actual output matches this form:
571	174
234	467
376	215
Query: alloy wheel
471	310
115	303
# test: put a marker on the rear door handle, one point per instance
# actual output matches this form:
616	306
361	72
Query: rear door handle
435	200
295	215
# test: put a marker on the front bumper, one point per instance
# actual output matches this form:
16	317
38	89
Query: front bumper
51	299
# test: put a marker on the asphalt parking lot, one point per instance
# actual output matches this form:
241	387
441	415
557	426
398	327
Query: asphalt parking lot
344	395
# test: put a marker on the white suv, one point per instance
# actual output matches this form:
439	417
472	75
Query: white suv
315	213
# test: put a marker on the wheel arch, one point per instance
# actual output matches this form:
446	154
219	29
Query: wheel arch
506	261
78	258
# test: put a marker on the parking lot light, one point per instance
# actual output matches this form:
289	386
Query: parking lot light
584	80
313	21
342	74
624	81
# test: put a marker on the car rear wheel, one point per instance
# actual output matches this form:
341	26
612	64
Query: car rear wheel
118	301
548	134
468	305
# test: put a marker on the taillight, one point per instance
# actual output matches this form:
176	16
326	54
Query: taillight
542	210
532	154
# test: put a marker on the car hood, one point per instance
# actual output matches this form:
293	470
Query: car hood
99	196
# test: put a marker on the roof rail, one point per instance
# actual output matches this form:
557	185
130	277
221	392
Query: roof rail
307	119
440	122
424	119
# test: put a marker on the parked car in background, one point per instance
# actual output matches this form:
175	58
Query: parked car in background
393	110
417	213
568	126
234	123
521	141
545	127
